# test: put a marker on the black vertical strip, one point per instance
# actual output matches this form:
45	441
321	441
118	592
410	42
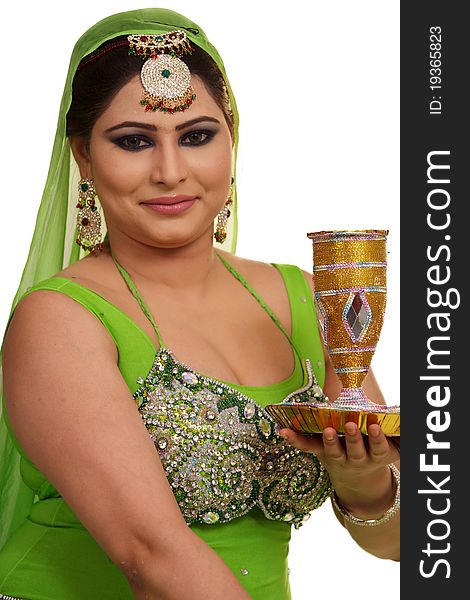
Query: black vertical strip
435	260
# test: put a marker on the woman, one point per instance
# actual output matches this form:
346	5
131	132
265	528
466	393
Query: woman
161	318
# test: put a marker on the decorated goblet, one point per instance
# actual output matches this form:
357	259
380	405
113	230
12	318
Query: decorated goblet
349	281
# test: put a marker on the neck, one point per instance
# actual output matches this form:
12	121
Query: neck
183	268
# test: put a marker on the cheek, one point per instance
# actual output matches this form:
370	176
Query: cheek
216	167
115	174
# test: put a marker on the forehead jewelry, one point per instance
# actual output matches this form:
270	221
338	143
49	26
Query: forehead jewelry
165	77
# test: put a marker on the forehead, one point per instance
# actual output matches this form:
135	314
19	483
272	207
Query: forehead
126	106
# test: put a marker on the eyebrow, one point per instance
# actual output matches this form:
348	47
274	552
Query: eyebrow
150	127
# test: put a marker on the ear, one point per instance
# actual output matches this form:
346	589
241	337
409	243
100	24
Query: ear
80	151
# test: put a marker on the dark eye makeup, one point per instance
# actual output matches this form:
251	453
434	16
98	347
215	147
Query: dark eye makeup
197	138
135	143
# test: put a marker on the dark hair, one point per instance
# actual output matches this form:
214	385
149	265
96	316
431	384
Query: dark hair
103	73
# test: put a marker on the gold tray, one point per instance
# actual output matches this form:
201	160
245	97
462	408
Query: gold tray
305	418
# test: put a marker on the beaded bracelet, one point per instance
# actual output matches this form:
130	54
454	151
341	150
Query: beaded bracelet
382	519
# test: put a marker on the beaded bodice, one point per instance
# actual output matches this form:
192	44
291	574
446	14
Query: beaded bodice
220	450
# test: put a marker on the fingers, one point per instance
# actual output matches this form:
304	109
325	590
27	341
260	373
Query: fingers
352	447
374	448
355	447
333	451
381	449
306	443
327	446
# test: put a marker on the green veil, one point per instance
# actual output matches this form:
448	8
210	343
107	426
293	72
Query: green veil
53	245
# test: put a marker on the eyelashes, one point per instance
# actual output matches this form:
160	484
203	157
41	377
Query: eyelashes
136	143
133	143
204	138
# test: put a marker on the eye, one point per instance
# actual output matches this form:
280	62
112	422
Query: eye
197	138
133	142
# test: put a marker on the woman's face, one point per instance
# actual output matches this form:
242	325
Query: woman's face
137	157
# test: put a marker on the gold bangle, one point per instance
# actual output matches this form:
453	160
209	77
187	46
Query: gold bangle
388	514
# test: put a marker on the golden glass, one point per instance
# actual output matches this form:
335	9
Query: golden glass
349	284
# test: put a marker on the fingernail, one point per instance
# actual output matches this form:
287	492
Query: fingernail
350	428
329	436
284	435
374	432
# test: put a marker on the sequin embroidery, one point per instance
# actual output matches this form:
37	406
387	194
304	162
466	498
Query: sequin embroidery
221	451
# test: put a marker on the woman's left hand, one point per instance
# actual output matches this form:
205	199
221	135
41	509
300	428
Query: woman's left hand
357	464
350	459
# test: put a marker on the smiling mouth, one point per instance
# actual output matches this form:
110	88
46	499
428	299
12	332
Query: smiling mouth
169	200
170	205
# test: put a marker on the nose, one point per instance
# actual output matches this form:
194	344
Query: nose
169	165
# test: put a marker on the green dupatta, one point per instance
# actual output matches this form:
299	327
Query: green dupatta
53	245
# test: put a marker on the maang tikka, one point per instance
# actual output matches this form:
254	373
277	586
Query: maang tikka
165	77
88	217
220	233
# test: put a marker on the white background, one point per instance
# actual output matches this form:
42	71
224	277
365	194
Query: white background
317	87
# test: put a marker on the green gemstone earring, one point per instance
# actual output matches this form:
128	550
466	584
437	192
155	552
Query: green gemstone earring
88	217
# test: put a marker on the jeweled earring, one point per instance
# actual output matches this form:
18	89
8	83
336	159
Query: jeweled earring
220	233
88	217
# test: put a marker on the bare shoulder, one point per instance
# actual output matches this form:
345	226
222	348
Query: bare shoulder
97	272
247	265
260	273
255	272
44	319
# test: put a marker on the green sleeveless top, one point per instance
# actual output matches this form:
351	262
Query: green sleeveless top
52	556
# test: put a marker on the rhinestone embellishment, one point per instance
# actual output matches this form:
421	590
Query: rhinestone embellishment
89	226
162	443
250	410
357	316
165	76
210	518
265	426
189	377
210	415
220	450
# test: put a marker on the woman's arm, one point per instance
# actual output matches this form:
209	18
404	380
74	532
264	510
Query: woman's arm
368	492
358	470
75	417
